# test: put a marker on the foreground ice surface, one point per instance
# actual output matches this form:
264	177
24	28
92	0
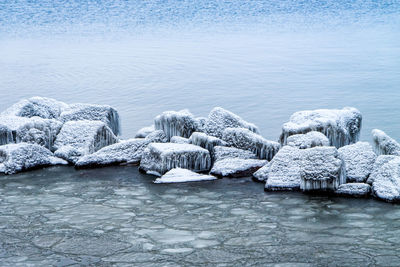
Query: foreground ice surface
176	123
23	156
236	167
386	178
308	140
341	126
179	175
354	190
384	144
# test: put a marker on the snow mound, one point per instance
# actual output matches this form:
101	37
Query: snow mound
205	141
245	139
223	152
384	144
219	119
92	112
386	180
145	131
359	160
236	167
308	140
158	158
322	169
341	126
179	140
176	123
354	190
178	175
23	156
46	108
79	138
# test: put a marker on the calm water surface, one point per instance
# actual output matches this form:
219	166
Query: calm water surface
263	60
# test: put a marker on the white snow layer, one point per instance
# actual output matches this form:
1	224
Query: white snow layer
176	123
354	190
236	167
386	179
205	141
179	175
245	139
379	162
384	144
79	138
219	119
145	131
159	158
359	160
23	156
341	126
179	140
308	140
223	152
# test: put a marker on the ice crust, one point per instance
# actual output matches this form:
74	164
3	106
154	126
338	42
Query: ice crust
308	140
236	167
179	140
354	190
206	141
23	156
245	139
79	138
384	144
179	175
379	162
176	123
145	131
158	158
223	152
341	126
359	160
219	119
386	179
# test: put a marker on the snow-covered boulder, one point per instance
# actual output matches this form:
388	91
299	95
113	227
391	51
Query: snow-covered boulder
308	140
159	158
386	179
79	138
379	162
14	129
179	175
384	144
91	112
176	123
201	124
223	152
283	171
245	139
321	169
341	126
23	156
179	140
46	108
219	119
205	141
145	131
354	190
236	167
359	160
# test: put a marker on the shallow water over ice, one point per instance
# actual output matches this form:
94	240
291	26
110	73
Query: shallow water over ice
61	216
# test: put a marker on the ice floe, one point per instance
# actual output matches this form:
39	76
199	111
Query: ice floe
179	175
236	167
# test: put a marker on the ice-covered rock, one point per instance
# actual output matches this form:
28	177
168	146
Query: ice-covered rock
201	124
92	112
219	119
236	167
179	175
386	179
23	156
379	162
145	131
283	171
176	123
205	141
159	158
308	140
321	169
14	129
46	108
79	138
384	144
245	139
223	152
354	190
341	126
359	160
179	140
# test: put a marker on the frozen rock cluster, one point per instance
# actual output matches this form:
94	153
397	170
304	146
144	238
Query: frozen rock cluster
318	150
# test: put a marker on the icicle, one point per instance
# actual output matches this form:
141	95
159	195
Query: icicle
173	123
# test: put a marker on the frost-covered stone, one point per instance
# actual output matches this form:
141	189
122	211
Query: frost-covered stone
179	175
246	139
205	141
379	162
236	167
354	190
219	119
179	140
91	112
46	108
359	160
159	158
223	152
283	171
14	129
79	138
384	144
308	140
321	169
201	124
176	123
145	131
341	126
23	156
386	179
